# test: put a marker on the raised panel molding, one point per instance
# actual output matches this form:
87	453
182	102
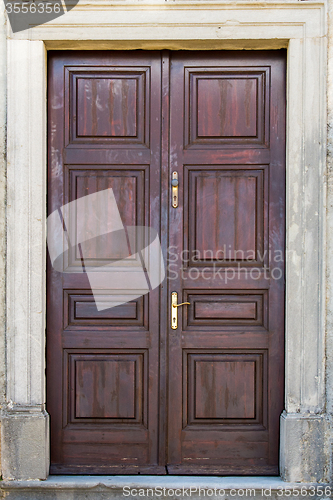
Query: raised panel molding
234	198
230	309
211	122
225	388
130	191
80	311
99	97
106	387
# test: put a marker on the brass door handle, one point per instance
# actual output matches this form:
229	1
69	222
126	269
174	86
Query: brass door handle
174	310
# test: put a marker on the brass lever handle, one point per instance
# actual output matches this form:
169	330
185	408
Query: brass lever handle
174	310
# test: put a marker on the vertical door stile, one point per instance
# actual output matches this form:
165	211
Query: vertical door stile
176	230
165	194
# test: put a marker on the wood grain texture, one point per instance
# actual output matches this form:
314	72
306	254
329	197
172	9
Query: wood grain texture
225	110
127	394
232	202
229	308
221	102
226	106
102	389
106	386
108	105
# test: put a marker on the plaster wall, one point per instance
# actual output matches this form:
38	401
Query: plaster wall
3	119
329	269
306	428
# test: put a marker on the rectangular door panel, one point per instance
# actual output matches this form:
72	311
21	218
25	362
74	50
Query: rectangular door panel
226	105
227	210
108	105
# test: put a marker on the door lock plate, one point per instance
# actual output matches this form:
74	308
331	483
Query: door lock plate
174	310
174	184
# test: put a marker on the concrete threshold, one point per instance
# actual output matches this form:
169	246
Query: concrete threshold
154	487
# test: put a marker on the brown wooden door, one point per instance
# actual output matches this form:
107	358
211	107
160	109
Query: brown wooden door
125	392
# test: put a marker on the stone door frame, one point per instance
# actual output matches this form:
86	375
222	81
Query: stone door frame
301	27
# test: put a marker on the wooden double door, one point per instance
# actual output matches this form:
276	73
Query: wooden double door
126	392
